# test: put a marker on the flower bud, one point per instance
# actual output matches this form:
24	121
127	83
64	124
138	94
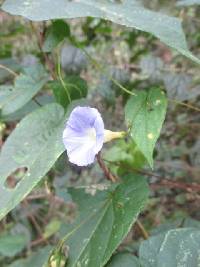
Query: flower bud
109	135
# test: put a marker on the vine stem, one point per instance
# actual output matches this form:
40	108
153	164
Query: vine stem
142	229
40	39
35	224
164	182
8	70
102	70
105	169
61	79
184	104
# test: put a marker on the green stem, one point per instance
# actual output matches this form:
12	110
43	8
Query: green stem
142	229
8	70
102	70
184	104
62	81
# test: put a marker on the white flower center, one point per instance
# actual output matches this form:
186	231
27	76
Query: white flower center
91	133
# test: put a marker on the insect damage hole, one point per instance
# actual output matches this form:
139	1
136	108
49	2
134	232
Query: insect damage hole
13	179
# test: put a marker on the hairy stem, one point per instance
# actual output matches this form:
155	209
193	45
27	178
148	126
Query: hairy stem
105	169
40	39
8	70
142	229
164	182
184	104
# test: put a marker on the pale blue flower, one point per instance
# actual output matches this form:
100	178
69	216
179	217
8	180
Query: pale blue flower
83	135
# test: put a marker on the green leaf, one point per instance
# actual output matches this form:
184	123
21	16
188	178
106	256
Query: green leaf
56	33
122	156
76	87
179	247
36	143
30	107
127	12
11	245
51	228
124	260
37	259
26	86
104	220
145	113
188	2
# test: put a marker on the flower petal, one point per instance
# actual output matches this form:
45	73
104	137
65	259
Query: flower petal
84	135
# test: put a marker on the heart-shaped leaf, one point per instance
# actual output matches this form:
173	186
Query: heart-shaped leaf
177	247
126	12
104	220
145	113
35	144
26	85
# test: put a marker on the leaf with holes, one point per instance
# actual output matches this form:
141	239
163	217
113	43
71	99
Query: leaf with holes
127	12
144	114
177	247
104	220
35	144
27	84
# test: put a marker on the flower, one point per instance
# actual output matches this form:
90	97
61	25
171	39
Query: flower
84	135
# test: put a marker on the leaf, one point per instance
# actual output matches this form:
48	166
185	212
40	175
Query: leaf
11	245
180	222
26	86
51	228
56	33
36	144
104	220
188	2
76	87
29	107
37	259
124	260
126	154
178	247
189	222
127	12
145	113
